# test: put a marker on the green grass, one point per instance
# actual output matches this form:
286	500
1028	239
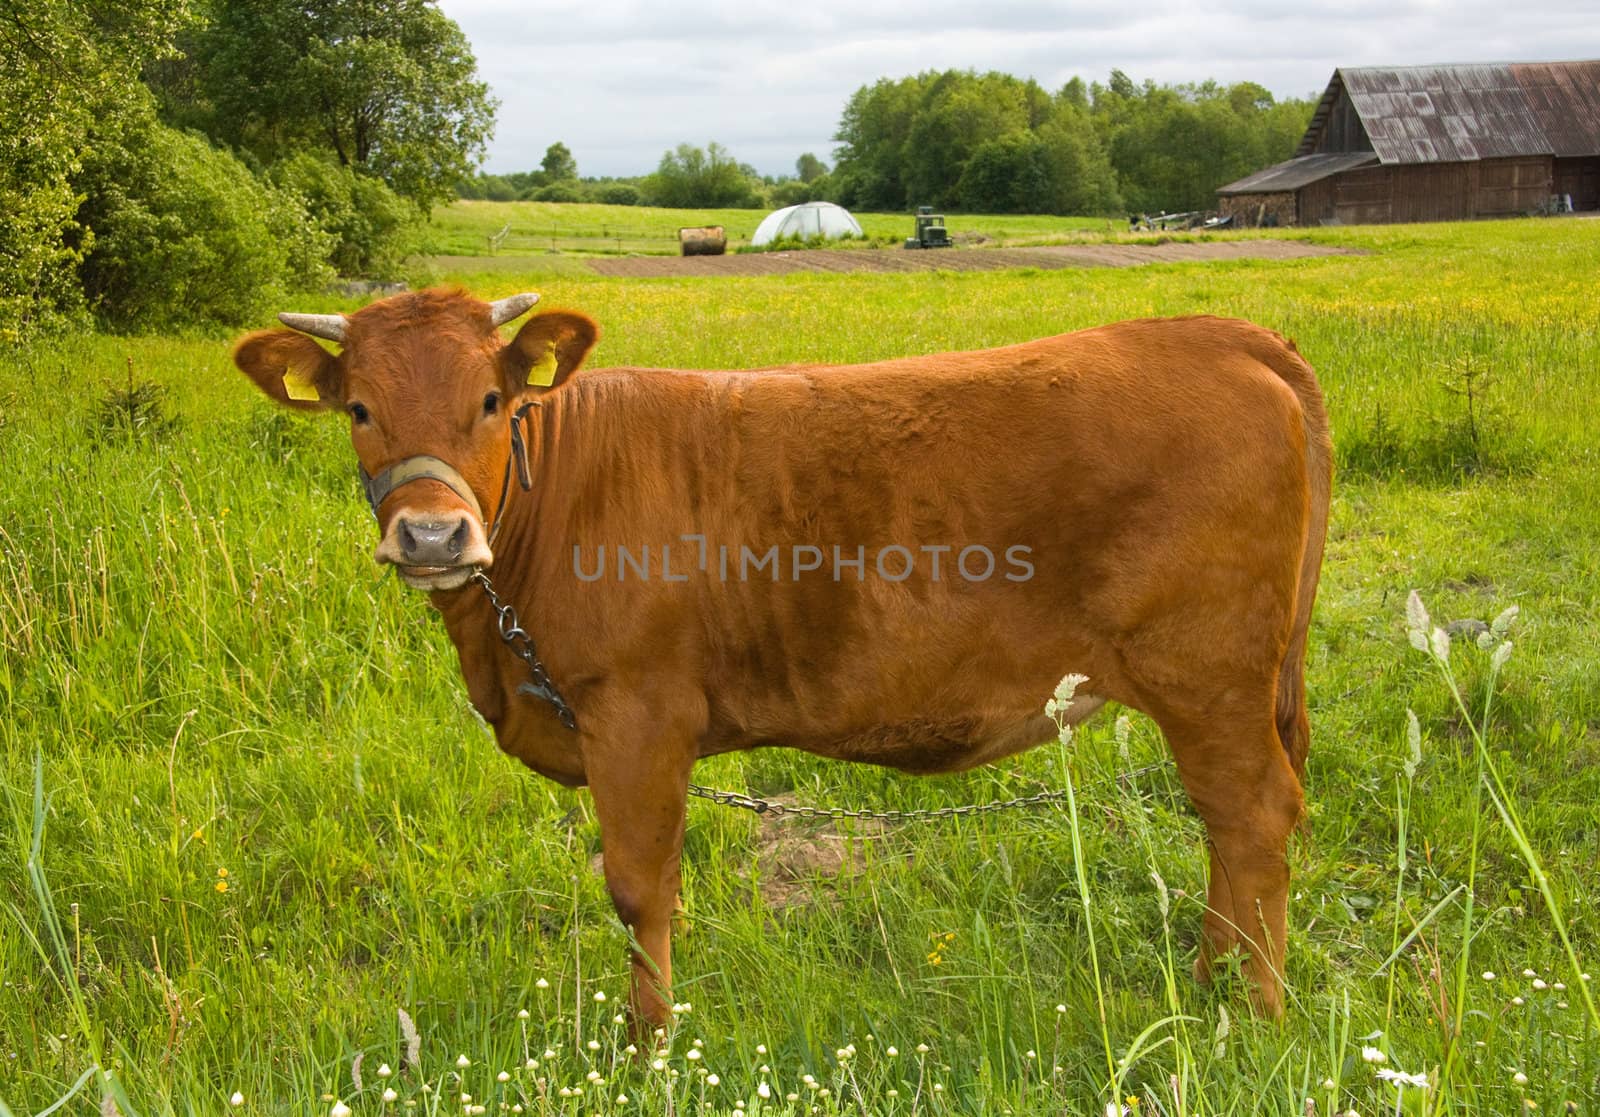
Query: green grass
197	651
540	228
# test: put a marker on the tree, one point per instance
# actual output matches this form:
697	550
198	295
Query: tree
388	87
559	165
695	178
67	64
810	168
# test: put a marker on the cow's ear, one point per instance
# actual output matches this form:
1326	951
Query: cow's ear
291	369
549	348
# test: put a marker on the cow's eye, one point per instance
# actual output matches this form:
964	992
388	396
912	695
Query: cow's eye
358	412
491	403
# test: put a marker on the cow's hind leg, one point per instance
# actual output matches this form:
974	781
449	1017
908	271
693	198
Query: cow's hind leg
1242	785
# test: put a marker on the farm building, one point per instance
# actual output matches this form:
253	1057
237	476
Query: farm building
1436	143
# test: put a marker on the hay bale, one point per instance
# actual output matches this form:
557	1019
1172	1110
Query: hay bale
702	240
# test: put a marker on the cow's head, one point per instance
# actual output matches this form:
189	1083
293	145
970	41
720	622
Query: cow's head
430	389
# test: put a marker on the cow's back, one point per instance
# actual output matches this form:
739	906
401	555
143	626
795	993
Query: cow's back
986	523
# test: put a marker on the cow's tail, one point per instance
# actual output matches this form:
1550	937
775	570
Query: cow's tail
1294	727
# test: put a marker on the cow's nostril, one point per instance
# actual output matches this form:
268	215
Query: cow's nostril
432	542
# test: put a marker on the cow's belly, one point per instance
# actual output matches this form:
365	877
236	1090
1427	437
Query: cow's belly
929	745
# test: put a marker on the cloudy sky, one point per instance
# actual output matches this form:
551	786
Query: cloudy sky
621	81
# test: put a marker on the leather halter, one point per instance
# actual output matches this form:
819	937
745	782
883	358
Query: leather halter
422	467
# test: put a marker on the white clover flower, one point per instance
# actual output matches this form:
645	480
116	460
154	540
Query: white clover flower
1401	1078
761	1049
503	1076
600	996
631	1049
523	1014
565	1091
658	1064
466	1099
339	1110
1520	1079
1530	973
764	1069
1488	975
477	1109
1373	1055
841	1054
923	1049
763	1091
541	984
531	1064
236	1100
1538	983
389	1094
622	1099
891	1050
619	1019
938	1087
693	1054
1559	986
593	1045
593	1076
548	1054
713	1080
1061	1008
463	1062
1032	1054
808	1080
1517	1001
1329	1084
791	1097
894	1093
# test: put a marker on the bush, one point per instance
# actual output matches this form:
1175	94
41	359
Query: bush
559	192
184	233
371	228
618	194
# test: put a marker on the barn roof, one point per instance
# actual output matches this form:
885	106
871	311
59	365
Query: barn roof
1448	114
1297	172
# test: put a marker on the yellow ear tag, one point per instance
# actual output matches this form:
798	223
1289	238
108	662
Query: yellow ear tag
543	372
297	385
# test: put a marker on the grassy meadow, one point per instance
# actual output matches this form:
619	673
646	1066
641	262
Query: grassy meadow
254	841
534	228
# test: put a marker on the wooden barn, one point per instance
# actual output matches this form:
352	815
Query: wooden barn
1436	143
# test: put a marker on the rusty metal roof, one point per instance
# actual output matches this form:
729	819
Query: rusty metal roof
1565	96
1448	114
1299	171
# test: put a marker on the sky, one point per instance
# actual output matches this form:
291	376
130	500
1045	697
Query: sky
620	82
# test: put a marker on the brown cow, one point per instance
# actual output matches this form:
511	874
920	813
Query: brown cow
891	563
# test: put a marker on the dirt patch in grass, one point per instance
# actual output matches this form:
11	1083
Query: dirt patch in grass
960	259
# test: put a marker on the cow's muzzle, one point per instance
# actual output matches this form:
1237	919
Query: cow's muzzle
434	550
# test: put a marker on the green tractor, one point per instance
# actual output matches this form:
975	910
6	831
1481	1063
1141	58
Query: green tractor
931	232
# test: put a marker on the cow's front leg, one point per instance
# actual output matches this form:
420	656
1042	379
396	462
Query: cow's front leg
640	786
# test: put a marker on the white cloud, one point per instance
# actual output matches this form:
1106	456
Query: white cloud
621	82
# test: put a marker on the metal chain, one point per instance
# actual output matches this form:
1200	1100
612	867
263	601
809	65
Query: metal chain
521	645
766	807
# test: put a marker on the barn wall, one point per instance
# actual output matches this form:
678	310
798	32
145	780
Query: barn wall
1429	192
1343	130
1508	186
1252	210
1581	179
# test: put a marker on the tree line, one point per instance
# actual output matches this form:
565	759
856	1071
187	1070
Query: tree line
163	162
983	143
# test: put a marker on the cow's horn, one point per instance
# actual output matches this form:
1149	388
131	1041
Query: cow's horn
329	326
504	310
